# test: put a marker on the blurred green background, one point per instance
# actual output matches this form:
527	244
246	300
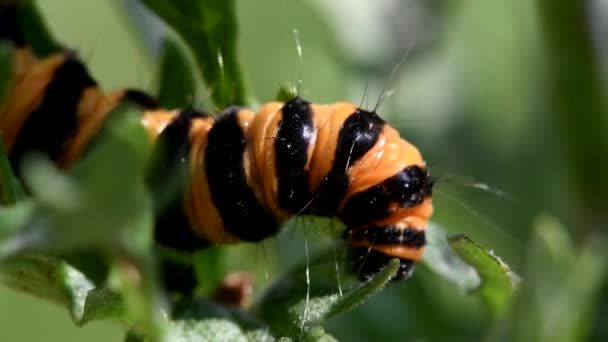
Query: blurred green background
499	92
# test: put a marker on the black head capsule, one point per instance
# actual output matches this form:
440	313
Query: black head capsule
400	207
366	262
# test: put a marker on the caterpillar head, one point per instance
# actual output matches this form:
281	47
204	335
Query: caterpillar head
400	207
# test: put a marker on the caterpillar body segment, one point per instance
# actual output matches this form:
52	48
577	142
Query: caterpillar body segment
242	173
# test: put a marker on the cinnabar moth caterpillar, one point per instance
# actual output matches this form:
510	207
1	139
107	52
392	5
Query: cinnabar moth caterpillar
245	172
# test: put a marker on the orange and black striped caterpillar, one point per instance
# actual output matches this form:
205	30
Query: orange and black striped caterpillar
245	173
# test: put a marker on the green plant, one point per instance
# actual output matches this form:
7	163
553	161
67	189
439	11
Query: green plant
82	239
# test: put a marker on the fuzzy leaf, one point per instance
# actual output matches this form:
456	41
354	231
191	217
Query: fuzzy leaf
287	308
49	278
98	206
317	334
75	286
443	260
101	303
209	27
213	330
94	203
498	282
53	279
204	320
34	274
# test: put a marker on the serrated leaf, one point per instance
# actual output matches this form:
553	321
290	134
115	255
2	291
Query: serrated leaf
498	282
49	278
210	29
101	303
75	287
292	307
443	260
53	279
358	295
33	274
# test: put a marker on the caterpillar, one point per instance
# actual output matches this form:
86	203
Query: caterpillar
245	172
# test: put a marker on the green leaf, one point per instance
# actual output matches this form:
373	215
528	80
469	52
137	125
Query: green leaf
12	219
213	330
75	286
133	336
443	260
286	93
134	278
317	334
562	285
292	307
101	303
178	83
35	30
498	282
53	279
209	27
100	205
358	295
204	320
33	274
10	187
6	66
49	278
98	201
576	84
210	267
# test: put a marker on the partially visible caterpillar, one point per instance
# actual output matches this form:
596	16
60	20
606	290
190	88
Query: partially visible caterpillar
246	172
